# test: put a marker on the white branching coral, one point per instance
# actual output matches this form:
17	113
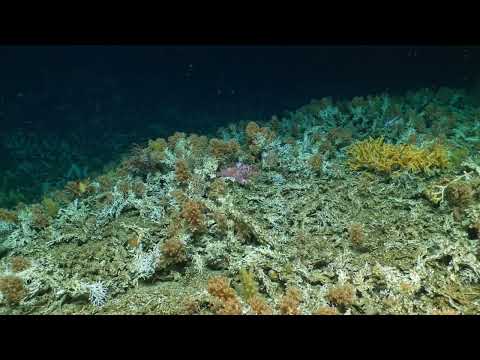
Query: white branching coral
145	263
6	226
97	293
24	233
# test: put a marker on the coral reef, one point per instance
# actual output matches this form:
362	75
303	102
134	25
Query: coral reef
361	206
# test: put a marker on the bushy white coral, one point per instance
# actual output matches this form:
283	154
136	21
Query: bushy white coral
97	293
24	233
145	263
6	226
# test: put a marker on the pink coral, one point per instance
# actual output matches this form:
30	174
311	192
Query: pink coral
239	173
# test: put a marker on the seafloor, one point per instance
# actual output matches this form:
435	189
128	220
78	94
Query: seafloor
370	206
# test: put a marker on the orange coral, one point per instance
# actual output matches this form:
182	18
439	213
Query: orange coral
259	305
290	302
219	287
192	212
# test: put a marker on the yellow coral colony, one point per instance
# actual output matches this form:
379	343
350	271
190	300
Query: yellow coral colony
376	155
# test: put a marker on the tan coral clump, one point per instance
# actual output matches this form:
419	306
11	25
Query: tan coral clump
40	219
217	188
156	149
13	289
258	137
174	250
343	295
192	213
19	263
182	173
356	234
79	188
459	194
224	151
219	287
8	216
221	222
175	138
259	305
198	144
290	302
316	163
325	310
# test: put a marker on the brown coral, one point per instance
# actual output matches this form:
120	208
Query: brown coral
289	304
198	144
192	213
230	307
221	221
459	194
174	250
356	233
8	216
12	289
40	220
259	305
182	173
258	137
326	310
156	150
19	263
225	151
79	188
316	162
218	188
343	295
219	287
175	138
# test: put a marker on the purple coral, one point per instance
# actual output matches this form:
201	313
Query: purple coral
239	173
